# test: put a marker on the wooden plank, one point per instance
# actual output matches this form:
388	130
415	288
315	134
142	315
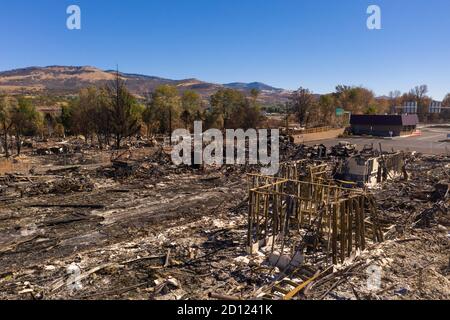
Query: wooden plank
266	215
343	233
303	285
257	217
357	224
250	219
350	227
335	233
363	217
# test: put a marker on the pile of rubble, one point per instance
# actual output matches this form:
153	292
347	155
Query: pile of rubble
60	186
290	151
138	227
422	197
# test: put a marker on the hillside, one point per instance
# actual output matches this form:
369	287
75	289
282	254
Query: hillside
63	80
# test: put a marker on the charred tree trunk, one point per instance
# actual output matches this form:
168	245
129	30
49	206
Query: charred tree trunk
5	143
18	144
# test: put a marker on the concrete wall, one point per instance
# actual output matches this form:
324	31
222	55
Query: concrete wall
331	134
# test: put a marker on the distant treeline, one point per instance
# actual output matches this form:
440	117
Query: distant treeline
110	114
312	110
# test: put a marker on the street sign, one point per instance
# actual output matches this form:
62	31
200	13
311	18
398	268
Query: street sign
339	112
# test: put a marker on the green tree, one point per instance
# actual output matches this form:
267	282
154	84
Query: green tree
302	103
103	119
24	117
251	115
191	104
372	109
81	113
251	111
40	124
327	106
66	117
149	117
226	104
164	108
254	94
354	99
7	104
121	102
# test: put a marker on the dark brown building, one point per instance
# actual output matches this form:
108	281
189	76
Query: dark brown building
384	125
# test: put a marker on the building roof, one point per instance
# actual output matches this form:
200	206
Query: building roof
393	120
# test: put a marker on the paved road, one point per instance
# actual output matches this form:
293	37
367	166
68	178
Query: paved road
430	142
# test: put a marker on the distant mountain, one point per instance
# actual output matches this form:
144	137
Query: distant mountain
65	80
253	85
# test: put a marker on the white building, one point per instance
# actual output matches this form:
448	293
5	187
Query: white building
435	107
410	107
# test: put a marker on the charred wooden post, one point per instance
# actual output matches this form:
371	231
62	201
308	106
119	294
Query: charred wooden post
280	209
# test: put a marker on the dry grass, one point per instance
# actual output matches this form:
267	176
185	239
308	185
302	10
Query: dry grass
14	165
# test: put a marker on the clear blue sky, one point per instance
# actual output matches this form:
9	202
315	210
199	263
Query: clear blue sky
285	43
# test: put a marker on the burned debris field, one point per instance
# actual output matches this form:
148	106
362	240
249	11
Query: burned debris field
334	224
224	158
